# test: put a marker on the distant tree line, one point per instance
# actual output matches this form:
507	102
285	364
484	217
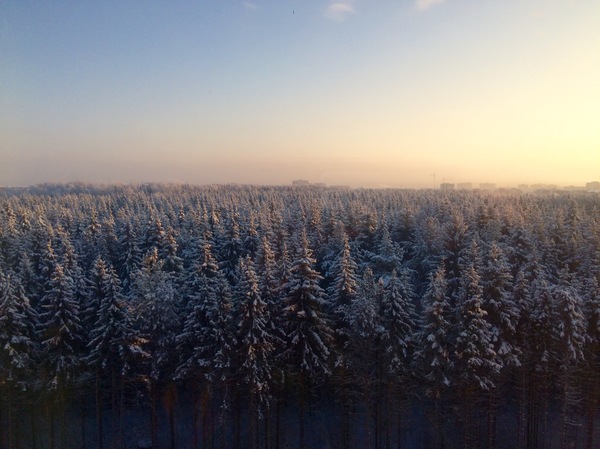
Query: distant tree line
245	300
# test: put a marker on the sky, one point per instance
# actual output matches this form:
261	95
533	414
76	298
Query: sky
363	93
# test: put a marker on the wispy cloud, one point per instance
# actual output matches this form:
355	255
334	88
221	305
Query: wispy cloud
250	5
426	4
339	10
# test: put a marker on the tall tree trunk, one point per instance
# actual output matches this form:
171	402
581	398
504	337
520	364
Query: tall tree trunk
121	411
195	405
19	412
367	413
153	414
521	411
545	409
252	425
63	420
346	420
532	414
301	414
590	422
51	419
33	425
171	400
99	429
277	422
82	418
1	416
469	424
9	417
237	413
267	426
113	407
387	416
204	410
399	422
491	418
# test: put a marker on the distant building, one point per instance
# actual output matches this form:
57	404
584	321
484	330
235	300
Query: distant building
464	186
545	187
320	184
446	186
300	182
487	186
592	186
574	188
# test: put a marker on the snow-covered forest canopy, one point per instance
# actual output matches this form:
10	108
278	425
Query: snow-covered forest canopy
271	317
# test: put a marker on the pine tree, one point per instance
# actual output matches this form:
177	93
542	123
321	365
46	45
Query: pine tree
130	257
388	256
17	345
434	354
62	340
342	293
157	318
156	314
476	361
231	250
309	337
254	347
570	340
17	330
503	313
398	320
113	344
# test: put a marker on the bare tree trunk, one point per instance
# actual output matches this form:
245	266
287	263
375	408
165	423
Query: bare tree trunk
437	423
252	424
387	418
153	414
204	410
113	408
545	410
170	398
122	411
346	421
277	423
63	424
1	423
532	415
368	404
237	412
195	406
521	412
491	418
10	423
51	419
267	426
18	426
590	423
99	430
82	418
301	417
469	422
33	426
399	423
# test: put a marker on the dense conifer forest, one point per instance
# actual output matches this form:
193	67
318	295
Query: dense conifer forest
274	317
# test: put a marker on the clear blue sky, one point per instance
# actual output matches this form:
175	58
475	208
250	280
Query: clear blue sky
378	93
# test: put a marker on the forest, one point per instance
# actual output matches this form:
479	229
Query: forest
176	316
